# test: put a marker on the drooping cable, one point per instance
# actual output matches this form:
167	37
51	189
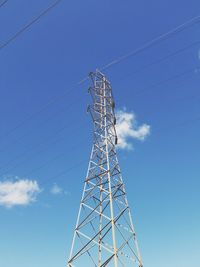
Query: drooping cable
29	24
154	41
3	3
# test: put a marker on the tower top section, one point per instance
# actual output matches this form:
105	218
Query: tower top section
102	109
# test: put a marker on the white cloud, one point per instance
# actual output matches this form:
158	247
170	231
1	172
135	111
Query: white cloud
67	193
19	192
56	190
127	129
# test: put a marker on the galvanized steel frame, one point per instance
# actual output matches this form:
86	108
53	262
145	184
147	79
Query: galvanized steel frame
104	228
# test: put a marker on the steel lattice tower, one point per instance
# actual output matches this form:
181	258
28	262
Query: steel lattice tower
104	233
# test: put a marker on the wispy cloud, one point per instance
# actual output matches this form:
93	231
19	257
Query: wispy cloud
20	192
57	190
127	128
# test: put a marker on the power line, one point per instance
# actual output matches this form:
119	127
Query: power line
60	174
34	20
65	127
169	128
181	50
60	97
41	123
186	72
3	3
54	100
46	163
154	41
180	99
149	44
60	155
39	111
162	37
71	104
174	77
43	142
181	124
29	24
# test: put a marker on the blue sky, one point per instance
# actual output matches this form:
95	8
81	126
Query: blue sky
161	174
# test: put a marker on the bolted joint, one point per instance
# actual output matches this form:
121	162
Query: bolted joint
113	104
88	109
90	73
116	140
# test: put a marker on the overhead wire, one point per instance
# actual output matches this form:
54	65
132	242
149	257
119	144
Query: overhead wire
169	79
60	155
177	52
56	177
162	37
44	164
64	172
54	100
60	97
196	119
38	112
134	52
179	99
43	122
136	93
29	24
3	3
65	127
177	125
34	146
154	41
51	102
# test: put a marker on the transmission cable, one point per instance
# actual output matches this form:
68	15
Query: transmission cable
178	125
149	44
29	24
55	158
46	163
136	71
174	77
65	127
32	115
154	41
136	93
3	3
60	97
181	50
60	174
43	142
46	120
176	100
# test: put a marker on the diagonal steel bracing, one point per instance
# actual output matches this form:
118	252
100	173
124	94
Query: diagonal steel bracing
104	233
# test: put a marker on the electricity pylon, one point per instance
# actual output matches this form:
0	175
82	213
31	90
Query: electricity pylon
104	233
